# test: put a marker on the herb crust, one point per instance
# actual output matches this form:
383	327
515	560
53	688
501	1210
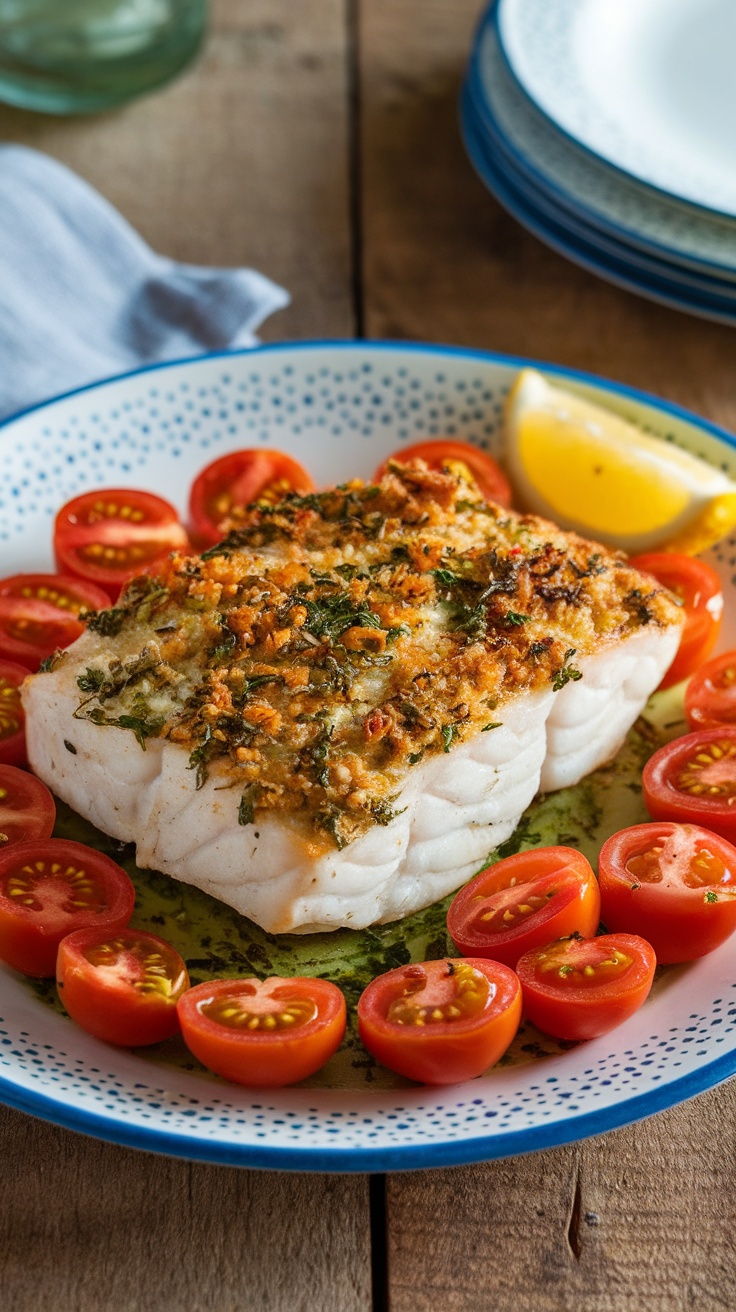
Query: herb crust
333	640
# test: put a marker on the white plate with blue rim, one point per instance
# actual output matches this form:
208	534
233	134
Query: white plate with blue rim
503	158
572	239
340	408
581	183
647	87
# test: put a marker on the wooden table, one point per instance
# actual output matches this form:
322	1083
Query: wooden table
317	140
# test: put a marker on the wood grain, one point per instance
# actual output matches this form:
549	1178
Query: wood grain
615	1225
86	1227
243	160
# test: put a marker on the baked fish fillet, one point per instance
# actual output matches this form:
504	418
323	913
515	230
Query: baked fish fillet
332	718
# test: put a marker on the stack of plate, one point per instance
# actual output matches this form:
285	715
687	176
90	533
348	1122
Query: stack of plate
608	128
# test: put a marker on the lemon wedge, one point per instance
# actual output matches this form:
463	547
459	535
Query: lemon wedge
589	469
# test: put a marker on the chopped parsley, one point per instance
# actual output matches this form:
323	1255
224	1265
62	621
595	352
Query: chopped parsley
449	733
448	577
152	601
199	758
50	662
256	681
537	649
329	616
383	812
314	756
398	631
141	726
567	673
92	681
223	649
108	623
330	818
471	620
246	809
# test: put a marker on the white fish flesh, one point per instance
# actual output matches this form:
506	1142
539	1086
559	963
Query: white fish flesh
452	800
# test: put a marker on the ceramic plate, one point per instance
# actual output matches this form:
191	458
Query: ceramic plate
504	157
581	184
340	408
647	86
574	240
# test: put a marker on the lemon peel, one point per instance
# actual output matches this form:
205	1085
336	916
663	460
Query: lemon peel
713	523
591	470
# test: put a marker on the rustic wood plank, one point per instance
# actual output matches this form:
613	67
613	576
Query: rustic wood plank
644	1217
243	160
87	1227
641	1218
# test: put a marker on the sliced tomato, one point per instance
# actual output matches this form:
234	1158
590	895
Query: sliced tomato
27	808
50	888
267	1032
700	591
40	612
693	779
710	696
442	1021
122	986
523	902
12	715
580	988
110	535
673	884
462	459
236	480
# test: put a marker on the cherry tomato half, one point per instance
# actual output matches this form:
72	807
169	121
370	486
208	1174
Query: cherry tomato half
110	535
236	480
27	809
673	884
263	1032
700	590
580	988
40	612
50	888
523	902
710	696
693	779
12	715
459	458
123	986
442	1021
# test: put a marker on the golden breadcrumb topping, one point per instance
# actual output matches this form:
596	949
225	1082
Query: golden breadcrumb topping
334	640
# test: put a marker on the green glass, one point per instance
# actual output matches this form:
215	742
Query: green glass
77	56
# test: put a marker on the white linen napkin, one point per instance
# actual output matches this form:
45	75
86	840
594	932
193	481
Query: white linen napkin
83	297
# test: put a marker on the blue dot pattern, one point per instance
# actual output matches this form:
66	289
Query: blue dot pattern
341	409
131	1092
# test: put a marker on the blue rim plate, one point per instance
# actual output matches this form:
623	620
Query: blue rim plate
501	154
562	55
502	158
341	407
584	185
617	269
